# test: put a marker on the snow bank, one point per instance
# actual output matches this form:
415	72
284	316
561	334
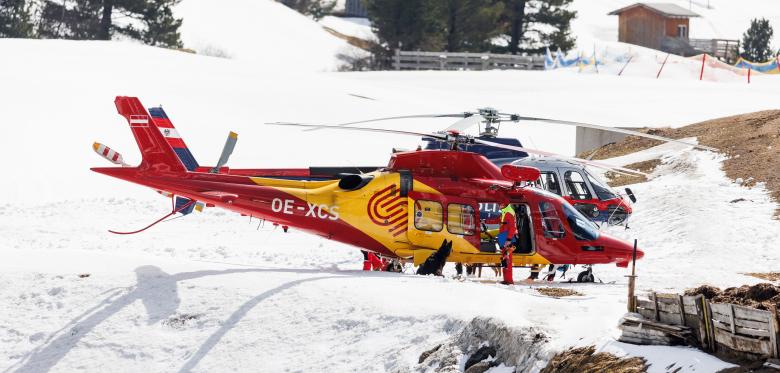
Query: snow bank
264	32
693	230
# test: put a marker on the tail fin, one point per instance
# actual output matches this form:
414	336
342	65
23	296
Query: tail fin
161	146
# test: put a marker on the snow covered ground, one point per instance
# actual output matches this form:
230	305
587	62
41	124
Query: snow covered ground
214	291
262	33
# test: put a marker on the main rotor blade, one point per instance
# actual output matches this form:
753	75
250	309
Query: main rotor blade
618	130
460	115
365	129
621	170
465	123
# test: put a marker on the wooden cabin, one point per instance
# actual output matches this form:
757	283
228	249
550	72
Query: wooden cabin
660	26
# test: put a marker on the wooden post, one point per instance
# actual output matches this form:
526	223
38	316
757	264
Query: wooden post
773	329
682	309
703	60
655	302
632	283
442	62
398	59
749	70
731	319
704	336
710	326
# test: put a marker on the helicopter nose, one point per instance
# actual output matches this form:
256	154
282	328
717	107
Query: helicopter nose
620	251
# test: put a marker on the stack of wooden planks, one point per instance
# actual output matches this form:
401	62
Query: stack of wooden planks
638	330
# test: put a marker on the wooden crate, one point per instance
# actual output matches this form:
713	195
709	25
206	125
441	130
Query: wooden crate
744	329
715	326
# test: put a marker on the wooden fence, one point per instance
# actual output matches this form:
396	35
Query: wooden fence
715	326
725	49
416	60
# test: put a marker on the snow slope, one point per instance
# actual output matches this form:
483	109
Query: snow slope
215	291
264	33
67	103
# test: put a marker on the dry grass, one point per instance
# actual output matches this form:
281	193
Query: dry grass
750	141
768	276
586	360
616	180
351	40
557	292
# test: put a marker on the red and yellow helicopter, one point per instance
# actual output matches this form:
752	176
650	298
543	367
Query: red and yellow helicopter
406	209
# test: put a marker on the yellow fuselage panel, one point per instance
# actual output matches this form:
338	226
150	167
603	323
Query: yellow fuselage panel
380	212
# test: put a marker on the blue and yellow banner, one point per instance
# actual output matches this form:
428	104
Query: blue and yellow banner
771	67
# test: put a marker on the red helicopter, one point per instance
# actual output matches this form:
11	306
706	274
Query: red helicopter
420	202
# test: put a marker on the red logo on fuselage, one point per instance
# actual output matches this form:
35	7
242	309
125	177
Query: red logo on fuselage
387	208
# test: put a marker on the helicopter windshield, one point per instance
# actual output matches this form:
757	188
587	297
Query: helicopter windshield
603	191
582	227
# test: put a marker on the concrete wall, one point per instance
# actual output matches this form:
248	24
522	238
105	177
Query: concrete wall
589	139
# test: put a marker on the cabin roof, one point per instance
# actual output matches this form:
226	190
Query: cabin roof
665	9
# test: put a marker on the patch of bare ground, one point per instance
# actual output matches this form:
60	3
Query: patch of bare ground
558	292
351	40
616	179
767	276
750	141
586	360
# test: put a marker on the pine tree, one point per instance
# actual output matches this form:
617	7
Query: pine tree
74	19
533	25
514	17
94	20
15	19
408	24
313	8
162	28
756	41
472	24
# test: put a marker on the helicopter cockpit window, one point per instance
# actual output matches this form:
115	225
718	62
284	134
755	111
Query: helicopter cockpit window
551	223
428	216
461	219
583	228
549	182
578	189
603	191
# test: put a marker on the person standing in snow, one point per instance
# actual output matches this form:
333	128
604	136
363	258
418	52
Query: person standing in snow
506	234
372	262
366	262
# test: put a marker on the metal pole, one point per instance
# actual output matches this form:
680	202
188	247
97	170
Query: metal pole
662	67
632	282
624	66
